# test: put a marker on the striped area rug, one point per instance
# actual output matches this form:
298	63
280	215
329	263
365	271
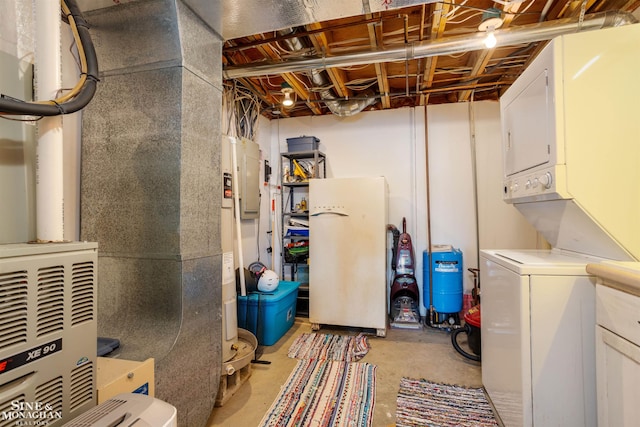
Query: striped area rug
423	403
330	347
325	393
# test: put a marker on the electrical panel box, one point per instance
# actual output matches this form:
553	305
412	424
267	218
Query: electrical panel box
248	155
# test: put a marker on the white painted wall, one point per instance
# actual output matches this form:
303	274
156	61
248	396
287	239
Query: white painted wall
451	182
17	158
392	143
378	143
17	140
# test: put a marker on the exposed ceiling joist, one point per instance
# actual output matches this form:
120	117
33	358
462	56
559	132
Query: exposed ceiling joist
375	39
424	53
321	44
483	57
438	24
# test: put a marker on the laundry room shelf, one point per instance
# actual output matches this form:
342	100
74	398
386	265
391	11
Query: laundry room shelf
298	168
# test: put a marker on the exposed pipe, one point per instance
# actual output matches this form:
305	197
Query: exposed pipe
319	79
236	204
474	172
339	107
545	10
281	37
350	107
84	90
49	147
445	46
430	309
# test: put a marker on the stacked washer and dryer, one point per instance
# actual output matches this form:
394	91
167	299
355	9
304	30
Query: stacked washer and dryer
571	148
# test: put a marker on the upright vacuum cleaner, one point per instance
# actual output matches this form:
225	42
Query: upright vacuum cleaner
404	293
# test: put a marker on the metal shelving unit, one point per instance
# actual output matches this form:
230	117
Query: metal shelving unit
294	206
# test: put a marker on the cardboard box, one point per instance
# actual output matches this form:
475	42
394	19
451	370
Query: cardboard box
115	376
269	315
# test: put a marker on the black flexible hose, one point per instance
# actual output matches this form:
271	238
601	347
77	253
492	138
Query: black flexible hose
9	105
394	250
459	349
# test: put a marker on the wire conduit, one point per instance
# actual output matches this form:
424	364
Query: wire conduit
84	90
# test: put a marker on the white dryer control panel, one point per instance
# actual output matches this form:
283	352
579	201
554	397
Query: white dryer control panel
542	184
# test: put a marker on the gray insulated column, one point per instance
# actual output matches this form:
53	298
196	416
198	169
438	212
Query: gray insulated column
150	191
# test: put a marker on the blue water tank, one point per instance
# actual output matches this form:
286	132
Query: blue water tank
447	280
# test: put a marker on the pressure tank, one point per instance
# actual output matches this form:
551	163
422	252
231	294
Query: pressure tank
446	265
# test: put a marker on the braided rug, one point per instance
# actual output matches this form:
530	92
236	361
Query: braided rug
327	387
423	403
330	347
325	393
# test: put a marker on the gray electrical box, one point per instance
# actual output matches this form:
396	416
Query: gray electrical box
248	155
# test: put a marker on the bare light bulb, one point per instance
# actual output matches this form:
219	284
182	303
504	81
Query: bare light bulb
490	41
490	22
287	101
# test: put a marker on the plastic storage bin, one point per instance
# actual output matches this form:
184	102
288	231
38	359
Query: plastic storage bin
303	143
447	279
269	315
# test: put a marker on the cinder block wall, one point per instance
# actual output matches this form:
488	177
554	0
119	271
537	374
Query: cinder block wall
150	189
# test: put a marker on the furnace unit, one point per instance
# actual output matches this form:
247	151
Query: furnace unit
48	329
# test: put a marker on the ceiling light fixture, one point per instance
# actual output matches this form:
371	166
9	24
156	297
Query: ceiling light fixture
490	41
491	20
287	90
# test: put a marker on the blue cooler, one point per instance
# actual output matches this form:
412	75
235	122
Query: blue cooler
447	279
269	315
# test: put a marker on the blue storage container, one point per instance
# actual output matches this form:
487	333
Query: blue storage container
447	280
269	315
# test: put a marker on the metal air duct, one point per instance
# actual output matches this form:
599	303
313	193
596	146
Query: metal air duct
445	46
246	17
320	81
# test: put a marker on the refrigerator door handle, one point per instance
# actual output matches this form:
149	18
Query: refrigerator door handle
329	212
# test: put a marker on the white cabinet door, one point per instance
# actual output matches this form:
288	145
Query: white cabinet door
618	380
526	126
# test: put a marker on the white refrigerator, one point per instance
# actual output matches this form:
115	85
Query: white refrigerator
348	252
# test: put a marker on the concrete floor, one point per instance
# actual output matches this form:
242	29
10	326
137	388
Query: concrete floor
425	353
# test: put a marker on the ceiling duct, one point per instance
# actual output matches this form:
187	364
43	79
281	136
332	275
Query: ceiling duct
247	17
445	46
322	85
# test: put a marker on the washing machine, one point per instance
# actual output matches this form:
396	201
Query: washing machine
538	337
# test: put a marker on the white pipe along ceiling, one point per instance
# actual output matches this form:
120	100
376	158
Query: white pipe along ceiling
444	46
352	56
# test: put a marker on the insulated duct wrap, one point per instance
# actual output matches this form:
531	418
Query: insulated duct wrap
240	18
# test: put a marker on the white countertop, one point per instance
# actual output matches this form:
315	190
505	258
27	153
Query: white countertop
624	276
